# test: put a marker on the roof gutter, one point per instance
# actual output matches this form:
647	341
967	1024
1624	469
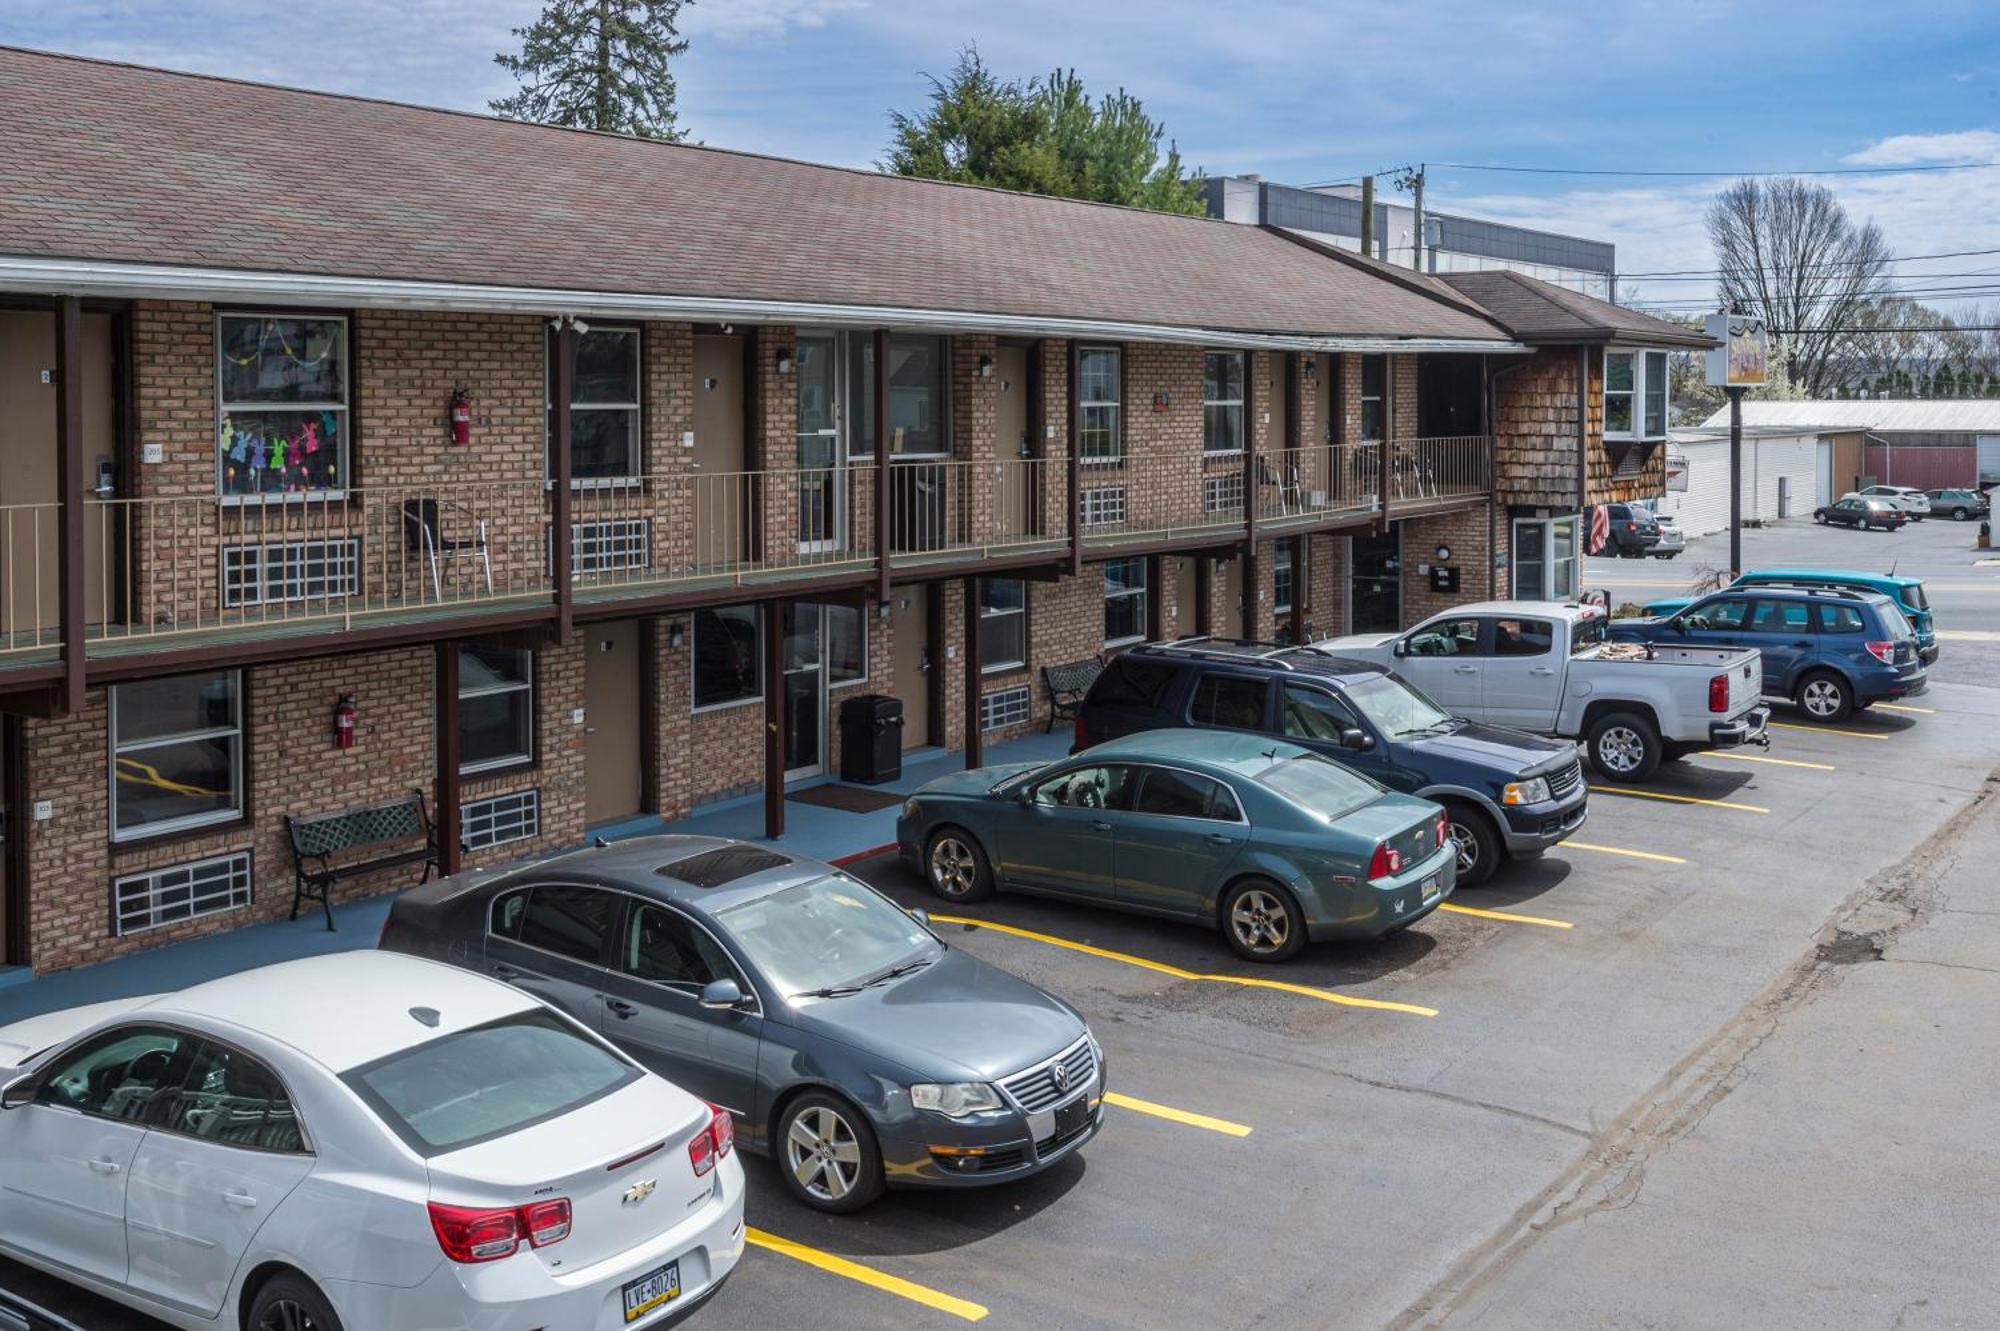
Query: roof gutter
130	281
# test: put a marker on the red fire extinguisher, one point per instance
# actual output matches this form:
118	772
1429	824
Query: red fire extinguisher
343	722
461	417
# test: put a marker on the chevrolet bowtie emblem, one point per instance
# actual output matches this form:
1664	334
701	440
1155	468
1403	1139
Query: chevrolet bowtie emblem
639	1191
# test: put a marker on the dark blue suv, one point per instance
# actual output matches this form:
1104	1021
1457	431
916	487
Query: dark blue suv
1830	651
1505	792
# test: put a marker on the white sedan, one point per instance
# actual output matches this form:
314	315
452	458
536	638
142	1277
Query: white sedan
365	1141
1900	497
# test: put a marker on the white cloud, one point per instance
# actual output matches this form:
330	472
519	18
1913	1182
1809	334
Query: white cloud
735	20
1969	145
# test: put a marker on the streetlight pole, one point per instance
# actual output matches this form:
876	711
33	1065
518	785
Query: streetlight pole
1735	483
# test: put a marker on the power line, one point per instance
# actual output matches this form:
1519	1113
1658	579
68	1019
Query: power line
1707	175
1822	263
1906	277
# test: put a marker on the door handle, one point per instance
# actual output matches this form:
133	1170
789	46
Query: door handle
1220	839
1542	670
106	1166
1801	643
1100	827
621	1007
241	1200
1465	670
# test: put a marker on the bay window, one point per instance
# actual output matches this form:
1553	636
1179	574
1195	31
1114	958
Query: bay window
496	708
604	405
281	404
1635	394
176	753
1003	624
1222	402
1100	423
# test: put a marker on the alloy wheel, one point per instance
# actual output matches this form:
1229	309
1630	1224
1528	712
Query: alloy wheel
1260	921
1467	846
823	1153
1822	698
287	1315
953	866
1621	749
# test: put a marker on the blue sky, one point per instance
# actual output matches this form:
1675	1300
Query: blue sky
1301	92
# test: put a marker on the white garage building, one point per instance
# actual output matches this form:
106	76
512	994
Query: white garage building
1781	476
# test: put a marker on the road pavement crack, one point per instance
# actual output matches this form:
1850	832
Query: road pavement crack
1610	1175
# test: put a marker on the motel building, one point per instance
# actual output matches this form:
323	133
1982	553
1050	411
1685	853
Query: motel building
354	454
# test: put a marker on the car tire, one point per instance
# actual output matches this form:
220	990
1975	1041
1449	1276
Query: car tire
1624	746
1479	849
833	1165
1262	921
290	1302
1825	697
955	867
1820	518
1961	515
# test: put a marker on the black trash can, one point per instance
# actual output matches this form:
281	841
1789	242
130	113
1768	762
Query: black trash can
871	739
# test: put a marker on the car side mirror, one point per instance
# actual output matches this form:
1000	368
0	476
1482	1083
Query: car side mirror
1356	738
1402	647
18	1092
722	995
920	915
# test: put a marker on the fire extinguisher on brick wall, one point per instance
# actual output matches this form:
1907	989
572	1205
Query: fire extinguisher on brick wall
343	722
461	417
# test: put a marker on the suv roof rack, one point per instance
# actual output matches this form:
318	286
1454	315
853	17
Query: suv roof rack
1810	585
1230	649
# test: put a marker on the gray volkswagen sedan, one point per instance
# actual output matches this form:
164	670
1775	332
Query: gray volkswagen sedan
847	1040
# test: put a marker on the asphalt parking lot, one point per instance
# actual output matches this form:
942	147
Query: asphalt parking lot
1401	1133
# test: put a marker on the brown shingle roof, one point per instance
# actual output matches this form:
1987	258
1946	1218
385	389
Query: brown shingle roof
114	162
1540	312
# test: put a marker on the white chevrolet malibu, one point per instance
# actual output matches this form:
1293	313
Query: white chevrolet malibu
364	1141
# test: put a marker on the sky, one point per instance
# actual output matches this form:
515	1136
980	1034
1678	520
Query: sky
1299	92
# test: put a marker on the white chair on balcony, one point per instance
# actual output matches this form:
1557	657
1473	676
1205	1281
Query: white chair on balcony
424	534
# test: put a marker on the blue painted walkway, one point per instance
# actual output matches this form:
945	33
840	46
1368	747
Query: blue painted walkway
810	830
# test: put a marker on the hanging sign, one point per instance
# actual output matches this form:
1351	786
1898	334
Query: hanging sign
1677	472
1743	358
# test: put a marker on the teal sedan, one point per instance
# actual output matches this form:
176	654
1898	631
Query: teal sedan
1266	841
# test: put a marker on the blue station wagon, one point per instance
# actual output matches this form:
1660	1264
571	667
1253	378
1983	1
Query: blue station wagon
1906	592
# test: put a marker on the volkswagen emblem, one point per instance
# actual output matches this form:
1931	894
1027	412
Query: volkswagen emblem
639	1191
1059	1074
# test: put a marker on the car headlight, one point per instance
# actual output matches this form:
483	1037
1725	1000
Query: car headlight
1532	791
955	1099
910	807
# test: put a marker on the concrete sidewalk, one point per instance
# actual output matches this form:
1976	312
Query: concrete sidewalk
812	831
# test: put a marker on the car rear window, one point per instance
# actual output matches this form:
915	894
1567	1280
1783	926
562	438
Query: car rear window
1587	633
1131	681
1914	594
487	1081
1318	785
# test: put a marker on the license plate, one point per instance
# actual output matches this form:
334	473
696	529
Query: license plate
1430	892
652	1290
1072	1117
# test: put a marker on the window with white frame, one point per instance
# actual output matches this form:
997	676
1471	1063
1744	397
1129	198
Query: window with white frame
1100	424
1282	579
176	753
1374	396
1635	394
846	645
177	892
728	664
604	405
1222	402
281	404
1003	624
1547	558
496	707
499	819
1124	601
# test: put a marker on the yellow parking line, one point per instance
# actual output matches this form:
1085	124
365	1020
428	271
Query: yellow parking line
1825	730
1248	982
867	1275
1775	762
1172	1115
1508	916
1630	793
1905	707
1630	854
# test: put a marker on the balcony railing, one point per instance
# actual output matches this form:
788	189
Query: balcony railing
162	571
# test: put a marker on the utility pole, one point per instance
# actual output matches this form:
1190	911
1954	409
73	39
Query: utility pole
1368	216
1735	482
1417	233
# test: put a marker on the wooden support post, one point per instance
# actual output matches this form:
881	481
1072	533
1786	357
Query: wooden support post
559	527
1076	464
70	564
1251	495
774	719
1383	451
882	497
650	639
975	742
450	830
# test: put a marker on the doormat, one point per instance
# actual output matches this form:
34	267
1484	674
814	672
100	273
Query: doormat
851	799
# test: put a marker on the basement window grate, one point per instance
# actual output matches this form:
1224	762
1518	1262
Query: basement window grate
499	819
143	901
1104	506
612	545
1003	707
1222	493
280	572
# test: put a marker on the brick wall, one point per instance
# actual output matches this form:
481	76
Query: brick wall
1472	554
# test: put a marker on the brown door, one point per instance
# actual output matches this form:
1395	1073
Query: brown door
1011	444
910	626
29	592
722	501
611	710
1187	615
1272	400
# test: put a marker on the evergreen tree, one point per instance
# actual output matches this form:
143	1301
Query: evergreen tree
598	64
1044	136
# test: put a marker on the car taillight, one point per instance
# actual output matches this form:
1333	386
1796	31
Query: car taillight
1885	652
472	1234
1631	526
1444	828
713	1141
1081	733
1387	862
1718	693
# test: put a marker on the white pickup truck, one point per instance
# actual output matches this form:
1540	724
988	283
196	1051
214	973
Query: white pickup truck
1545	666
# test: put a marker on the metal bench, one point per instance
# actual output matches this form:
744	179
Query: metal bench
1066	685
338	846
